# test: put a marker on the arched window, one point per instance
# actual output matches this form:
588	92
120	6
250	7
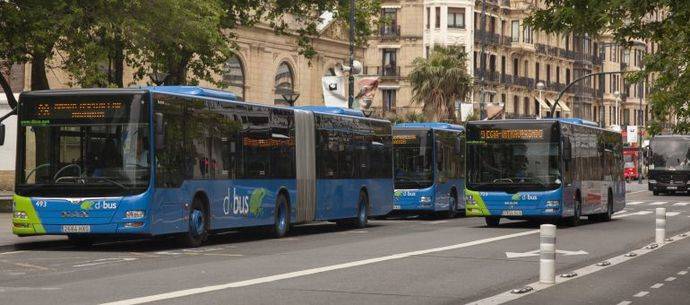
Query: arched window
233	77
284	82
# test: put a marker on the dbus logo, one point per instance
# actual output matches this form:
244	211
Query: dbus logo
517	197
244	204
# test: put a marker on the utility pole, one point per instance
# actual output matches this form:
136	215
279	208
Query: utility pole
639	136
482	62
350	77
560	94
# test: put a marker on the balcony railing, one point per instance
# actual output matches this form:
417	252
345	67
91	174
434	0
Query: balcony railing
385	71
489	75
490	38
541	48
567	54
390	31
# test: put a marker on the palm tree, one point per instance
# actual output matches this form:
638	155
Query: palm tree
439	81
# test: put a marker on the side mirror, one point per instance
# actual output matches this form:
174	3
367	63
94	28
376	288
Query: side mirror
2	134
567	151
159	130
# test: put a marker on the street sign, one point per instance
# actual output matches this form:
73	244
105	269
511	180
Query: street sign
536	253
632	134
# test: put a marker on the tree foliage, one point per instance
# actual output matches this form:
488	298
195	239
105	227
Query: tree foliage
439	81
665	23
186	41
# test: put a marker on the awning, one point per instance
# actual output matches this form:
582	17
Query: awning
561	105
542	103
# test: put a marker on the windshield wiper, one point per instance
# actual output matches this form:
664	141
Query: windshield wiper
106	179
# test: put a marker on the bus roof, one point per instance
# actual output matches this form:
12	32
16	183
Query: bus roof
576	121
430	125
332	110
195	91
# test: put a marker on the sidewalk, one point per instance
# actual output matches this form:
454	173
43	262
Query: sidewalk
9	240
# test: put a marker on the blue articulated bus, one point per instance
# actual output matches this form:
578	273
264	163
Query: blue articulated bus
192	161
548	168
429	164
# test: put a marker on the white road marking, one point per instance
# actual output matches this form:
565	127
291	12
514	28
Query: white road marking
681	204
632	214
289	275
658	203
670	214
624	303
536	253
12	252
641	294
103	261
682	272
635	192
436	222
634	203
8	289
657	285
670	279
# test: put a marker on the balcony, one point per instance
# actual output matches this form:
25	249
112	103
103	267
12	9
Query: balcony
489	76
384	72
490	38
524	82
389	31
506	79
541	48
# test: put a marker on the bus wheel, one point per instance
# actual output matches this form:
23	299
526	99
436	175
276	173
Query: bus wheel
492	221
574	221
452	206
282	217
198	228
362	211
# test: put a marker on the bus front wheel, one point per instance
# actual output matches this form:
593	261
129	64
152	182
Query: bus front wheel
492	221
198	227
362	211
282	217
452	206
574	221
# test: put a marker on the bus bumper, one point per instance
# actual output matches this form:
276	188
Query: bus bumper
668	187
414	201
529	205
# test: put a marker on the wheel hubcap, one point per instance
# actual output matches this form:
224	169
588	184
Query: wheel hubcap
362	212
197	222
281	219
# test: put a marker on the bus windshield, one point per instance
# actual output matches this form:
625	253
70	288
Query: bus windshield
670	153
412	157
83	146
510	159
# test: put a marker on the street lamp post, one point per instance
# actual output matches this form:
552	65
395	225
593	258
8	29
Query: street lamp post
639	139
540	88
290	97
616	107
350	77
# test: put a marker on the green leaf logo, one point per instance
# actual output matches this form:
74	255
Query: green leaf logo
256	200
397	193
86	205
516	197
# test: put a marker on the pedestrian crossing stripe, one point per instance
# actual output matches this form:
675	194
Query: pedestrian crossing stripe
681	204
669	214
658	203
634	202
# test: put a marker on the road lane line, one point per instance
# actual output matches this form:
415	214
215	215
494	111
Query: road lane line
681	204
658	203
26	265
289	275
624	303
632	214
682	272
670	279
657	285
634	203
670	214
635	192
641	294
12	252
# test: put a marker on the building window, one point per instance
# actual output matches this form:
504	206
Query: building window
516	104
456	17
388	63
527	34
426	51
536	72
388	100
526	68
284	83
567	76
438	17
548	74
233	77
428	17
515	67
525	103
390	15
515	31
558	74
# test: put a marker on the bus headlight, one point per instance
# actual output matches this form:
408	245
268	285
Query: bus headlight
19	215
553	203
134	214
425	199
470	200
652	181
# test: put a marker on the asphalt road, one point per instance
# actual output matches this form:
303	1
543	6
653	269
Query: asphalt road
401	261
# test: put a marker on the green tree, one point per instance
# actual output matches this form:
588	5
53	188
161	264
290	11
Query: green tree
666	23
439	81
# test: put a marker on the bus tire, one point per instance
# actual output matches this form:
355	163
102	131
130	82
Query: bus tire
197	232
281	224
452	205
574	221
362	218
492	221
603	217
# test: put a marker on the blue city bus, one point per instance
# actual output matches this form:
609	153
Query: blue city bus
429	161
554	169
192	161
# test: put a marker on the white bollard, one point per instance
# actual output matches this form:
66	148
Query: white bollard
660	236
547	254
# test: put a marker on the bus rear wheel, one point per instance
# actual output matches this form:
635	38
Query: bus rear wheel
362	211
492	221
574	221
198	226
452	206
281	225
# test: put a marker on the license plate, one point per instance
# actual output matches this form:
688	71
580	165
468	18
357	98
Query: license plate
396	207
671	188
511	213
76	229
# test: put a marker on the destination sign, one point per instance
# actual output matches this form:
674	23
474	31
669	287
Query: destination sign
77	110
512	134
404	139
